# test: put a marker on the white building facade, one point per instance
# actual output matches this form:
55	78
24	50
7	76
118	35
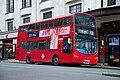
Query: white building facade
16	12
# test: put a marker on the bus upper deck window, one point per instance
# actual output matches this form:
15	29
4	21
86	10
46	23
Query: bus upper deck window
44	25
38	26
50	23
23	28
58	22
67	21
32	27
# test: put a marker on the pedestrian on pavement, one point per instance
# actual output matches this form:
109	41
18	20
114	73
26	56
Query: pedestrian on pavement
102	51
10	53
0	59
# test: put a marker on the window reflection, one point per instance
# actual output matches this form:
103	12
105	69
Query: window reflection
87	47
85	29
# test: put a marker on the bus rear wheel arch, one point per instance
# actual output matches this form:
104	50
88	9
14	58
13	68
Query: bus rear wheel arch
55	60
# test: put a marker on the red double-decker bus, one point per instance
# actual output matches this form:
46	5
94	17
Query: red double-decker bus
66	39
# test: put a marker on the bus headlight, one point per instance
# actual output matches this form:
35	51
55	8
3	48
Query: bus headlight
96	57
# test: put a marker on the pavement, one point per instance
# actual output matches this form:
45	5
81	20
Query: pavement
99	65
12	61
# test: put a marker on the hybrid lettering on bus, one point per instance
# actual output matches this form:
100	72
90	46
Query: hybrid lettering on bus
66	39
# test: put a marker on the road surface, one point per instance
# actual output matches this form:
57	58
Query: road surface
20	71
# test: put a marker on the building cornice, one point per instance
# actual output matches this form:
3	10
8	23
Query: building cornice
47	9
105	11
70	1
8	32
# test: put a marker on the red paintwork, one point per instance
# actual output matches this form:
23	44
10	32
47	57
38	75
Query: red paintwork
36	55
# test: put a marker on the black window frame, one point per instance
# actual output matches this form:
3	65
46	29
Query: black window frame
101	3
9	6
43	0
9	27
47	15
26	20
111	2
76	9
25	4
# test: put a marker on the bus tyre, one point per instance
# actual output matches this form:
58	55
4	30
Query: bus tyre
55	60
28	60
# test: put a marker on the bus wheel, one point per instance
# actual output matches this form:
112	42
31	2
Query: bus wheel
55	60
28	59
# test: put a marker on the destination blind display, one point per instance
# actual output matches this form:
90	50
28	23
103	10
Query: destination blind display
33	34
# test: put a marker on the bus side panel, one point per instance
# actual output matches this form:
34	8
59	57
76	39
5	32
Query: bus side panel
40	56
20	52
20	55
85	58
44	56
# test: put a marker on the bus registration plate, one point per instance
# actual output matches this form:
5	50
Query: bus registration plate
86	62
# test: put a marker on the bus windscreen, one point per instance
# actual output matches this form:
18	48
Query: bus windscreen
85	31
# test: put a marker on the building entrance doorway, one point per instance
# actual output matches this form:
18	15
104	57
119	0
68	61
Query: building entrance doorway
114	50
8	48
109	36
